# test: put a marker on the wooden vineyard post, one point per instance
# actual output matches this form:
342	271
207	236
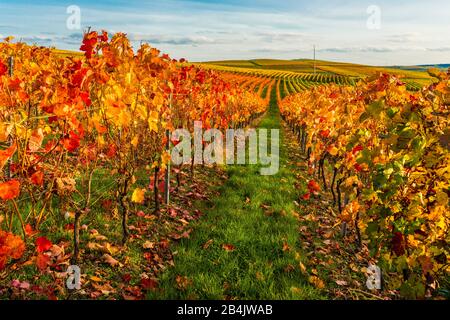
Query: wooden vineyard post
11	72
167	175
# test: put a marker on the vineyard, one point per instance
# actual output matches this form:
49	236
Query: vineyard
87	174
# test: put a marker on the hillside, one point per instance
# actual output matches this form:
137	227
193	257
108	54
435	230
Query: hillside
416	76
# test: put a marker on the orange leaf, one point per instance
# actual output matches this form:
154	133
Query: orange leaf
6	154
228	247
42	261
9	190
37	178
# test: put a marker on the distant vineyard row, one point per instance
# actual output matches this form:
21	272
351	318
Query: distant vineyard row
293	82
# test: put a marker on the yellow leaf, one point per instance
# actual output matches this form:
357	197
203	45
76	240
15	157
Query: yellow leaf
442	198
96	279
333	151
138	195
319	284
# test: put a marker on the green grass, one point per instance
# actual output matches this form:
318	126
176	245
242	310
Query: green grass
253	213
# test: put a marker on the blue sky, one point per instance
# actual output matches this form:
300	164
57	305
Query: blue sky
411	32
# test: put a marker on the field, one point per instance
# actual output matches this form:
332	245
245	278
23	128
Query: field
358	208
301	72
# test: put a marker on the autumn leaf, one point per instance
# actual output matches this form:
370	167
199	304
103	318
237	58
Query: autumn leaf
148	245
107	258
306	196
6	154
183	282
313	186
228	247
317	282
149	284
9	190
43	244
37	178
42	261
11	247
29	230
35	141
3	69
138	195
207	244
341	282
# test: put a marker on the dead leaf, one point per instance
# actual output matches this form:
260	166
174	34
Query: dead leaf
317	282
228	247
96	279
149	284
302	268
148	245
110	260
183	282
207	244
341	282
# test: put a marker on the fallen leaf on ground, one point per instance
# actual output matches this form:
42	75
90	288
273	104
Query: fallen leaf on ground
208	243
228	247
109	260
317	282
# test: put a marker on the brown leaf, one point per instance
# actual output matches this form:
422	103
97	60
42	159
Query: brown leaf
149	284
110	260
207	244
314	280
341	282
148	245
228	247
183	282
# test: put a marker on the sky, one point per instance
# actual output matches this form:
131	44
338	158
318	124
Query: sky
375	32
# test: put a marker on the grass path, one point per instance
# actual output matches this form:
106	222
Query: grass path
253	216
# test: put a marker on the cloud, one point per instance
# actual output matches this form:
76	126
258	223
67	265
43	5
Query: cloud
285	37
171	39
403	37
36	39
439	49
371	49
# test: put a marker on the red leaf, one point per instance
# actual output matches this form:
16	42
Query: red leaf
161	186
306	196
69	226
43	244
126	278
324	133
148	284
357	149
89	42
73	142
3	69
313	186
